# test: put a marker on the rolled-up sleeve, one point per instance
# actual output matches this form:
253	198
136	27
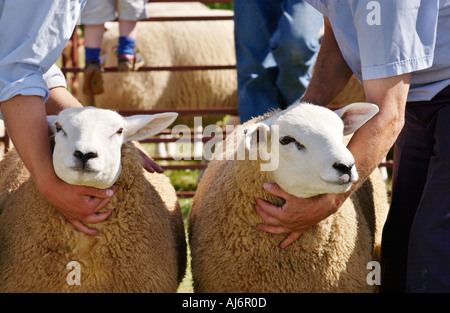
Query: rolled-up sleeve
32	36
396	37
54	78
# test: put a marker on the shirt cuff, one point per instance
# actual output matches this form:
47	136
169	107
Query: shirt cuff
397	68
31	85
17	88
55	78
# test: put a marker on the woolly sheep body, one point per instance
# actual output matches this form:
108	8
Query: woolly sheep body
230	254
140	247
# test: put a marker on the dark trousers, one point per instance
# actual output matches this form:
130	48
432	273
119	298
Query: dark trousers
416	236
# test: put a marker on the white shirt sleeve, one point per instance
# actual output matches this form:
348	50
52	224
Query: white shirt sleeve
32	36
395	37
54	77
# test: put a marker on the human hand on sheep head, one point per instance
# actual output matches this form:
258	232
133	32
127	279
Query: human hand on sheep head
297	214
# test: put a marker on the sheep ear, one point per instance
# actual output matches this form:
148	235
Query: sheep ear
356	114
51	119
139	127
256	134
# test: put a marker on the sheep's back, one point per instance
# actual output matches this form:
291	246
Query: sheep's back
12	174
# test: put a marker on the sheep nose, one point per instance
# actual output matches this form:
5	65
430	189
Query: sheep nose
343	168
84	157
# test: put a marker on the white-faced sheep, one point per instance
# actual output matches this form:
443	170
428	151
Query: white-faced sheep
140	248
230	254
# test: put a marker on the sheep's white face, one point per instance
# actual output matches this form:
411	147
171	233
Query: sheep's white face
312	158
88	142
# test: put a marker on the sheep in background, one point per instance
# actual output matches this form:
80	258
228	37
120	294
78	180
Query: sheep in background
171	44
140	248
230	254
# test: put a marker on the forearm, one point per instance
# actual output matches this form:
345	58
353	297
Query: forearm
60	99
331	72
370	144
25	121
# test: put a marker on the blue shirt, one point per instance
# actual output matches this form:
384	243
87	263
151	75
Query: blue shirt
32	37
386	38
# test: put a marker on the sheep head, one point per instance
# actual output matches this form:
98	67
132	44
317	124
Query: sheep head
88	142
308	145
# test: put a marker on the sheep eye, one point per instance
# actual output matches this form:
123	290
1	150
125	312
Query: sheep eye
287	140
120	131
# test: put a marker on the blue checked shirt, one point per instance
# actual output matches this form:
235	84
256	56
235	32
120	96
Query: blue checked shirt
32	36
386	38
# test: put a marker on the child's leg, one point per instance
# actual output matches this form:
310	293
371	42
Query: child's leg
126	54
127	37
93	80
129	11
93	35
93	17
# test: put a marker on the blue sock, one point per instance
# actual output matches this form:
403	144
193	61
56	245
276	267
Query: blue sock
126	45
92	54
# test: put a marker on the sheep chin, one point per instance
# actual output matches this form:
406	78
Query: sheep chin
83	177
327	187
338	186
